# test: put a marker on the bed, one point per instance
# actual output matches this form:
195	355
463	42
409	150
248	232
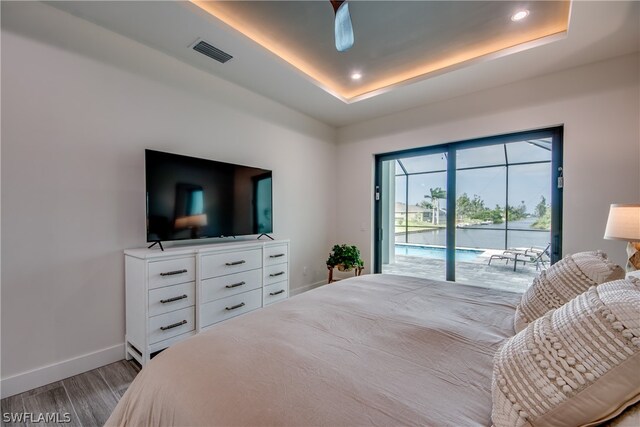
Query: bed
373	350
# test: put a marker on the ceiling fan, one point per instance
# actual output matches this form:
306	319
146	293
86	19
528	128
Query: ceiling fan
343	27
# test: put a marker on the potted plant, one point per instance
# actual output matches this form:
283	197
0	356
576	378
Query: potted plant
345	257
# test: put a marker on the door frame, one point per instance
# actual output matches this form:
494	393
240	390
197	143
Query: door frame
556	134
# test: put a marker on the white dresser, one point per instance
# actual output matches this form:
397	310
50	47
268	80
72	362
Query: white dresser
174	294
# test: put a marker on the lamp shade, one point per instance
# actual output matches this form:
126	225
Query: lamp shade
623	223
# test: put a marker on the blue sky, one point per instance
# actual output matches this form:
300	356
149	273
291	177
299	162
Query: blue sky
526	182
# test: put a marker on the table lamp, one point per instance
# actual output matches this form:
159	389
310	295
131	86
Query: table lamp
624	224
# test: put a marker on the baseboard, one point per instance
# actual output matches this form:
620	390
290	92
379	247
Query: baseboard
306	288
58	371
28	380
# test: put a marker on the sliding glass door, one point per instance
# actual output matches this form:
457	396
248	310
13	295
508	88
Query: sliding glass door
485	212
414	199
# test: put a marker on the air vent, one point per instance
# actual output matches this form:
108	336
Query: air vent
211	51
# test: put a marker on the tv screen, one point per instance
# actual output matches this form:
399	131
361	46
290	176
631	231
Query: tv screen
191	198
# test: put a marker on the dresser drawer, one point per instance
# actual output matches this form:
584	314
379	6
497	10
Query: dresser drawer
276	273
274	293
230	262
276	255
170	298
231	284
225	308
171	324
171	272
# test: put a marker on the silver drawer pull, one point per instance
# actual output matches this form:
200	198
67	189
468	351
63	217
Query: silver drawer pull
235	285
233	307
235	262
276	274
164	301
175	325
276	256
276	293
173	273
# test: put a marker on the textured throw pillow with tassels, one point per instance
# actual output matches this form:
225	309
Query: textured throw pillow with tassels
577	365
562	282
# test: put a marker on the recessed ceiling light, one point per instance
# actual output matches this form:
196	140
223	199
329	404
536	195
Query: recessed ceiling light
356	76
520	15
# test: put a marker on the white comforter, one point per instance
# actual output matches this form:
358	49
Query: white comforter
375	350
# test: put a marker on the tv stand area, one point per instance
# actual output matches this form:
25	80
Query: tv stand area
176	293
266	235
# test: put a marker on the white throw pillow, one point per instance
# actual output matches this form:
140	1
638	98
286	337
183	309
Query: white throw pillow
562	282
574	366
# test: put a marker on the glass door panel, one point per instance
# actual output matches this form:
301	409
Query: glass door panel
481	185
503	230
529	225
414	205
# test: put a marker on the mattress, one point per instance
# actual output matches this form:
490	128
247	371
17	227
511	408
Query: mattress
372	350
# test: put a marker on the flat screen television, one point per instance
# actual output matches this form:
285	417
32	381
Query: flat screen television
192	198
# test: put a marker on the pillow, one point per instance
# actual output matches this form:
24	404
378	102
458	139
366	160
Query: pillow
629	418
574	366
562	282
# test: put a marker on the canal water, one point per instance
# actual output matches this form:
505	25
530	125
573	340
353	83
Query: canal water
483	237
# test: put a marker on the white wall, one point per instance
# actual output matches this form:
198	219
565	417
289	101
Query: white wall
598	104
79	106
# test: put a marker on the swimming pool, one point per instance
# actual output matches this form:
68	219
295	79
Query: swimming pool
436	252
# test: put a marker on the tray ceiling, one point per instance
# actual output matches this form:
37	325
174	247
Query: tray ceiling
599	30
396	42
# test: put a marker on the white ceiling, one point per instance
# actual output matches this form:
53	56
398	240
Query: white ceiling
598	30
396	41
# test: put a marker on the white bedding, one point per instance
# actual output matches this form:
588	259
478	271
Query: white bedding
375	350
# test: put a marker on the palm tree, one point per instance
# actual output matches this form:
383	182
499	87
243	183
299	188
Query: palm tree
435	195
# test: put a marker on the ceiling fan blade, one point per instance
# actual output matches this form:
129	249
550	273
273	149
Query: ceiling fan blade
343	27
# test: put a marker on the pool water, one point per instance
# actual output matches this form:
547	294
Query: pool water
436	252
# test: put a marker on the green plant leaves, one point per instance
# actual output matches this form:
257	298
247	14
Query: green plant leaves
347	255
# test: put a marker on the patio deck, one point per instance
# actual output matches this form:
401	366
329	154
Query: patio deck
498	275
